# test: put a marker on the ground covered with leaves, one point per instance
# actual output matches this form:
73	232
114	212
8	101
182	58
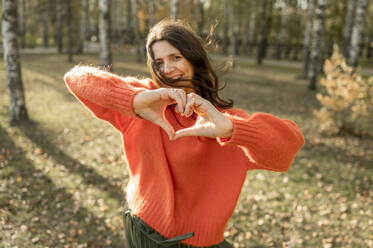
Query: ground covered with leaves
62	175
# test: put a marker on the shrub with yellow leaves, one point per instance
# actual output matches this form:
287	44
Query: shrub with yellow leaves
346	99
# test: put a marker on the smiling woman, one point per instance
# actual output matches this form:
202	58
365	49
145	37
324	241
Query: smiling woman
188	150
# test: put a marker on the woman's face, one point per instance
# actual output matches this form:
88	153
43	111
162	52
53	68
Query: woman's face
172	63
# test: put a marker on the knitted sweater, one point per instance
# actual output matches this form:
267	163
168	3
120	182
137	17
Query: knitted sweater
191	184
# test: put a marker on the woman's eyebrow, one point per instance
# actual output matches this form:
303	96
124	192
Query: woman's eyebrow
169	55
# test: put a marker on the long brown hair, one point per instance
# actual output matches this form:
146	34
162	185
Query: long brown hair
205	81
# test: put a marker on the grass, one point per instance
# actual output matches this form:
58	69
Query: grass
61	176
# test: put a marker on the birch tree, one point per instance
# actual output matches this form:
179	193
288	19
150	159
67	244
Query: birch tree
151	9
174	9
104	33
9	27
356	33
315	51
307	38
348	27
136	30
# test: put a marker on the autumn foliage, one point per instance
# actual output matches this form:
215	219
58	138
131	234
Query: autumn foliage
346	99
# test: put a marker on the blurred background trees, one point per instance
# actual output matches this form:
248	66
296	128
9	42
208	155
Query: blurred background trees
282	30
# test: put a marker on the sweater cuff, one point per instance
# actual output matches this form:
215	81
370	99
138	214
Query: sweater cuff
245	132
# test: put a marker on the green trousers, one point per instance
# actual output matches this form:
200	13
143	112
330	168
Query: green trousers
140	235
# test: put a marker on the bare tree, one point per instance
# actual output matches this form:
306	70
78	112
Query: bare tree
262	33
129	25
348	27
174	9
136	30
252	25
22	30
9	27
59	35
44	19
283	32
151	9
356	33
200	17
318	29
104	32
307	38
84	25
226	26
69	31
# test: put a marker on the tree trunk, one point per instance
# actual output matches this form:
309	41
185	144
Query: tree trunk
136	30
283	32
59	34
9	27
307	38
45	20
151	9
69	31
83	25
262	33
252	27
356	33
23	24
318	29
104	32
129	25
200	17
348	27
174	9
226	27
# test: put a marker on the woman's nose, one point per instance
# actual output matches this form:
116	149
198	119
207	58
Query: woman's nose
168	67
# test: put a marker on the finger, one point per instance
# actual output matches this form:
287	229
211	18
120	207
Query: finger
183	97
175	96
189	106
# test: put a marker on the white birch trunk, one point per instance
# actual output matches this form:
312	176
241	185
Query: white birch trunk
17	105
356	33
151	9
174	9
104	33
317	39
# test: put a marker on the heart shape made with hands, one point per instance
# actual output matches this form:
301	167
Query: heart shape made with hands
152	105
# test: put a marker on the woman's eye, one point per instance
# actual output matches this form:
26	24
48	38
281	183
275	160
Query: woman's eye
177	57
158	63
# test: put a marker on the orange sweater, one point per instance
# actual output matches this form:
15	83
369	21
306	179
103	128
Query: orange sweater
191	184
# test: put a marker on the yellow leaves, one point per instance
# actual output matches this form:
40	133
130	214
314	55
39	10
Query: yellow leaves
346	96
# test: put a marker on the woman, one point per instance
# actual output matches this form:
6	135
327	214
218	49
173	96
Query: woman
187	149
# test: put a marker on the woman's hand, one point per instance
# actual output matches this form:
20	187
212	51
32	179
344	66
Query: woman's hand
150	105
210	121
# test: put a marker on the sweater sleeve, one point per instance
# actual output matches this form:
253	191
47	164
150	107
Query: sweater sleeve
269	142
108	96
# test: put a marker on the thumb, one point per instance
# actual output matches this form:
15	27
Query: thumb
190	131
167	128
